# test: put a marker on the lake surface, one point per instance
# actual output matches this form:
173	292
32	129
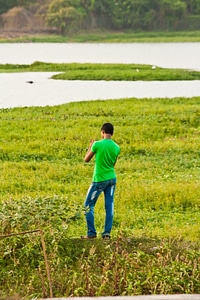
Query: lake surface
168	55
44	91
15	91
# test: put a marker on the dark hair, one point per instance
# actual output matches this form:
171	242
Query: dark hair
108	128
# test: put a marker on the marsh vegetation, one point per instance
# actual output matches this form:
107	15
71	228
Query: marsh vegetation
89	71
155	239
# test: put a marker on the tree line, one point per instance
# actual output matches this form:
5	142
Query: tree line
146	15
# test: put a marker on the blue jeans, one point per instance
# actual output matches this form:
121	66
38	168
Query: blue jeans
96	188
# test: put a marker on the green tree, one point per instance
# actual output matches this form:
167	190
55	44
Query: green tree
103	10
193	6
170	13
71	15
65	17
6	5
132	14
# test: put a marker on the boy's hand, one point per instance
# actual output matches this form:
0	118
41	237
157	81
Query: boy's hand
89	154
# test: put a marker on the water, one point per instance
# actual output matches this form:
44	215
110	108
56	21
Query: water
168	55
44	91
15	91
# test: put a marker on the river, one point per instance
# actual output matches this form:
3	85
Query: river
15	91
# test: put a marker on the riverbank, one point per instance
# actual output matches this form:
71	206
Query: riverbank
100	37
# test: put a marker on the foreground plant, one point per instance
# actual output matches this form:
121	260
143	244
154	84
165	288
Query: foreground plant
123	266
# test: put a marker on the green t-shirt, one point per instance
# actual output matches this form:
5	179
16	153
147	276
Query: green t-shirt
106	152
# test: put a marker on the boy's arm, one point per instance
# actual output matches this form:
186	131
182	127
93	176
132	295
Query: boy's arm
89	153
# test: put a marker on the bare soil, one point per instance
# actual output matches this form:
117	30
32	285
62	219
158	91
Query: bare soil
19	22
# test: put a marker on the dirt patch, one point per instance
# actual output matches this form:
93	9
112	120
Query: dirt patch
12	34
18	21
18	18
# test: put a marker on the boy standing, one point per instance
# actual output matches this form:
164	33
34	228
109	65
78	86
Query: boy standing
104	180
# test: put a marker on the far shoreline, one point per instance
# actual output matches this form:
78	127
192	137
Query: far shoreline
12	36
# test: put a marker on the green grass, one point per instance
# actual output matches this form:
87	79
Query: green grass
155	239
110	37
86	71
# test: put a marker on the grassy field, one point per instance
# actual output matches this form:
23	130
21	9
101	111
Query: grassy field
155	239
87	71
108	37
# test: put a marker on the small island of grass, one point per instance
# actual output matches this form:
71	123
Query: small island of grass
88	71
